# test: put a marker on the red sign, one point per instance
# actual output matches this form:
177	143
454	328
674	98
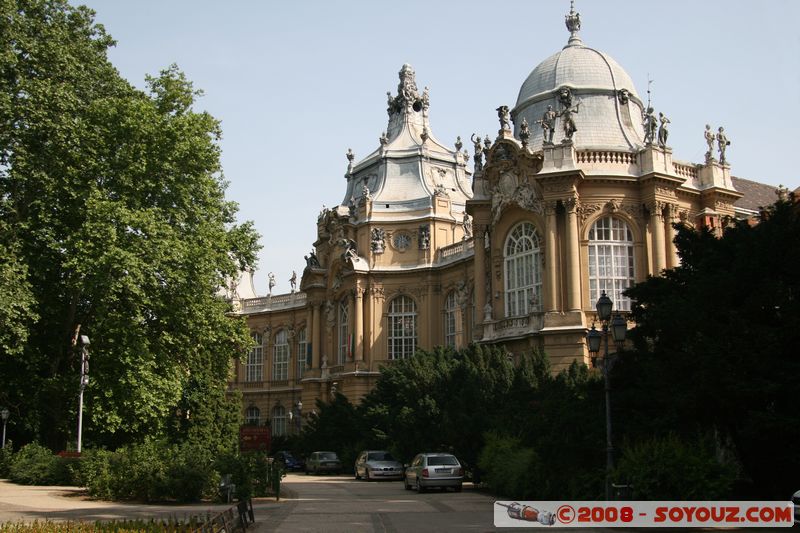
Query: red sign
254	438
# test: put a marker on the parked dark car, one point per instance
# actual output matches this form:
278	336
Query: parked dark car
289	461
319	462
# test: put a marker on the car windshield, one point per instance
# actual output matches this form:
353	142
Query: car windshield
330	456
442	460
380	456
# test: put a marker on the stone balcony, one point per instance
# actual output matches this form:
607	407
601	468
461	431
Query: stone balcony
273	303
512	327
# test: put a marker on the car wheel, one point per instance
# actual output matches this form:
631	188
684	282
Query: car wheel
458	487
420	488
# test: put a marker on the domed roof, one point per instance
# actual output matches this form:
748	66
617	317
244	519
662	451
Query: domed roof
607	110
576	66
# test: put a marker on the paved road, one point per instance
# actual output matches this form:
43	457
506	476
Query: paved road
341	504
27	503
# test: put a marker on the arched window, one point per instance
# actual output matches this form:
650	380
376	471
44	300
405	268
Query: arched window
280	357
252	416
402	328
450	319
254	368
523	271
302	352
344	336
278	421
611	261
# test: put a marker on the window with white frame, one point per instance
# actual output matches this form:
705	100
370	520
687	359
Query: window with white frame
254	367
402	328
302	352
280	356
252	416
611	261
278	421
344	337
450	319
523	280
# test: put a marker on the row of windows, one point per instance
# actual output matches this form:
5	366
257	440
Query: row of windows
610	265
278	420
611	269
254	367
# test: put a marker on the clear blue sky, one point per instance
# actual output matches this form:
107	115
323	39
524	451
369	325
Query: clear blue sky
296	84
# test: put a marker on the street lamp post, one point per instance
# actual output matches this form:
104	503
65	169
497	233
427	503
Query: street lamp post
618	328
299	415
84	381
4	415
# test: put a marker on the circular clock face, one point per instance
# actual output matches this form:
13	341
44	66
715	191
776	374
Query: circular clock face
402	241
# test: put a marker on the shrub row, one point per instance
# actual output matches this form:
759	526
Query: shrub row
149	472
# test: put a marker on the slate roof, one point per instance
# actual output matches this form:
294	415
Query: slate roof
756	194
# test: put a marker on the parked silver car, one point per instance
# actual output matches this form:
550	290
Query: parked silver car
373	464
323	462
434	470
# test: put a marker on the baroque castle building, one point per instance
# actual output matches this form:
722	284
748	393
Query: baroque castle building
513	245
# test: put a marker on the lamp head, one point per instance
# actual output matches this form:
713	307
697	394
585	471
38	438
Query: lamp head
619	329
604	307
85	340
4	414
593	340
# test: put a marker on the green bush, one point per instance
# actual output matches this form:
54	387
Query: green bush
509	468
152	471
33	464
671	468
95	473
6	455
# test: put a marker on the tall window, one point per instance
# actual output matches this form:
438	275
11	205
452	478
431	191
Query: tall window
343	332
450	319
252	416
254	368
523	271
302	352
278	421
280	357
611	261
402	328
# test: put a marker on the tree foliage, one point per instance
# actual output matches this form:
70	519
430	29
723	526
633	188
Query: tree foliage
716	349
114	219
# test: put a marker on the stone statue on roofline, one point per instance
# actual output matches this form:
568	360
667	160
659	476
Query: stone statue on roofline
293	281
548	124
271	277
503	115
709	136
722	143
650	125
663	133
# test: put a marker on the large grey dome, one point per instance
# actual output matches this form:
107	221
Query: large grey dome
610	111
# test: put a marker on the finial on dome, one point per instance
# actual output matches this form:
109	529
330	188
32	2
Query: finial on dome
573	22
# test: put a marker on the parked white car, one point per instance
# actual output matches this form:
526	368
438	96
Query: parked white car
429	470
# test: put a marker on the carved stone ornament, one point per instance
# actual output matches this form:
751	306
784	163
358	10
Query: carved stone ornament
585	210
525	196
723	206
666	191
623	96
377	292
634	210
330	314
377	240
613	205
424	237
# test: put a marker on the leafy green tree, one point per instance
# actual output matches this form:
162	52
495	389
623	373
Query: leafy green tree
716	349
121	226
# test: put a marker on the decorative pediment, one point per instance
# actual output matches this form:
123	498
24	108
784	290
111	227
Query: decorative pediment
507	193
